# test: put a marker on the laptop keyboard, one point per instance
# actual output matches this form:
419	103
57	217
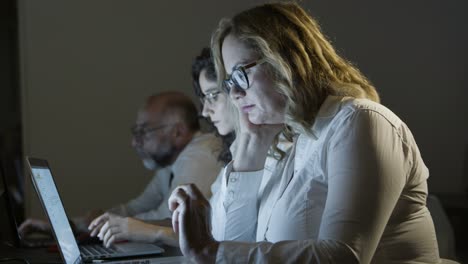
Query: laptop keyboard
97	251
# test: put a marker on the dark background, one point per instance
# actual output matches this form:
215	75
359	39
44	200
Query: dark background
73	74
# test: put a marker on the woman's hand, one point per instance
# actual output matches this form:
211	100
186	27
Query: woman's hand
191	221
253	143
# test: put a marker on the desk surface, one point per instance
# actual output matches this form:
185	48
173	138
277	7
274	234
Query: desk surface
43	256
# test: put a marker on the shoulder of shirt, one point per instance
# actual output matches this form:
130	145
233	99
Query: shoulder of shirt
356	106
201	143
208	140
335	110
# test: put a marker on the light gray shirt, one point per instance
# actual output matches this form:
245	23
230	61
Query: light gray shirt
197	163
352	192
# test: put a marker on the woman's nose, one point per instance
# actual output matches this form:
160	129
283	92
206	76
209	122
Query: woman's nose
236	92
206	110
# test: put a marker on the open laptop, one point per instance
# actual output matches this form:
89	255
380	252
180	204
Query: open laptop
8	215
47	192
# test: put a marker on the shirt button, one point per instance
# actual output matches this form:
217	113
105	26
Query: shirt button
231	193
232	179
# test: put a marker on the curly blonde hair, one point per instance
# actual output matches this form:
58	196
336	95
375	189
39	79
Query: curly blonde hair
304	64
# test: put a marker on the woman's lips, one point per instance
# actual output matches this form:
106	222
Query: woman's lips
247	108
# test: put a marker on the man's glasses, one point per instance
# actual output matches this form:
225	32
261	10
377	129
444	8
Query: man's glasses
239	77
209	98
141	131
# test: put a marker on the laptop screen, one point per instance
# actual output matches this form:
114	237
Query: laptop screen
47	191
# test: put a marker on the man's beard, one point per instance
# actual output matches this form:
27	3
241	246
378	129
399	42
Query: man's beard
150	164
154	161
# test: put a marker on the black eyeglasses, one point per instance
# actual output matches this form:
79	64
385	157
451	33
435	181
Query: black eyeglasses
141	131
239	77
209	98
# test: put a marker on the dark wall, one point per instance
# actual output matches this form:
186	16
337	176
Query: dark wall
87	65
10	109
415	52
9	89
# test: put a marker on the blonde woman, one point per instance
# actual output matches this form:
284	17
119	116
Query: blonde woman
353	188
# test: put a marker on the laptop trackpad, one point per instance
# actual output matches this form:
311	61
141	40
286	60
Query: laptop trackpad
138	247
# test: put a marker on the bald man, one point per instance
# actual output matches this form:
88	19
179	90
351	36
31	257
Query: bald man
167	137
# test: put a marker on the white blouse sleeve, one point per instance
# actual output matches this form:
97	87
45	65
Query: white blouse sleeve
367	164
235	205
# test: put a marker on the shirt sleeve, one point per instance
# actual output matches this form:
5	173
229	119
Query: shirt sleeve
367	166
197	166
161	213
235	205
145	206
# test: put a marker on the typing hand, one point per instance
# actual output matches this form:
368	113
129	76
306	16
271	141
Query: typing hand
191	221
34	225
111	228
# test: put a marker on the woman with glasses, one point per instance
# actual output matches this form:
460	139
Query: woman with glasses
214	103
353	187
218	108
215	106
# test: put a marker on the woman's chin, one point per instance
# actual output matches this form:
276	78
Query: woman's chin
257	120
222	132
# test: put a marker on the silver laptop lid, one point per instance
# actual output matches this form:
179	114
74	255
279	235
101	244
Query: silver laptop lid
48	195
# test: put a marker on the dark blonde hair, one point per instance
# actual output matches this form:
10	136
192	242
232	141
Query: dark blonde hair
304	64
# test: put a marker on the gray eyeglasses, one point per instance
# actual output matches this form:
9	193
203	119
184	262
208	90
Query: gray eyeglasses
239	77
209	98
141	131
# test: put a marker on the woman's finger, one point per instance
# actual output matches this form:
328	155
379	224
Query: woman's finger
182	221
175	221
192	191
180	198
175	198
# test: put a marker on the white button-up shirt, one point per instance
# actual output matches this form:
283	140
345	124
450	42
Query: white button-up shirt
352	192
